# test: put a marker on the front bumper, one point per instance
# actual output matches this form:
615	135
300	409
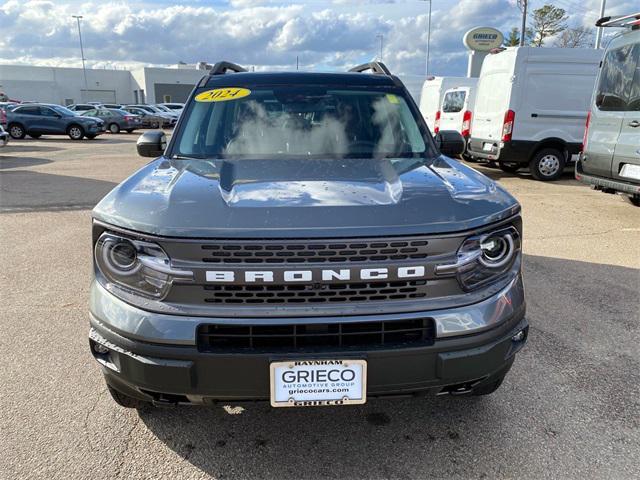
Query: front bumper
141	363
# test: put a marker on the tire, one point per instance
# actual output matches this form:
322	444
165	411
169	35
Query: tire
75	132
489	388
155	125
125	400
114	128
16	131
91	137
509	167
547	164
35	135
634	199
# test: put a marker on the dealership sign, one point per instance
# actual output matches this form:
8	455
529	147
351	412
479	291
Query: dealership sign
483	39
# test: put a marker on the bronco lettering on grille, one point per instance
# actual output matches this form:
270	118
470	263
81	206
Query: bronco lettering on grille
314	275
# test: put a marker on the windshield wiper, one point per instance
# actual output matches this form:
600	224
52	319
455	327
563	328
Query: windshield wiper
186	157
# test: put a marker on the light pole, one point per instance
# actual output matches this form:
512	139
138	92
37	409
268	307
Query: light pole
428	36
523	29
599	29
84	69
381	37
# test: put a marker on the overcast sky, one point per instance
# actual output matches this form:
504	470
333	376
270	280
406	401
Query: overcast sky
325	34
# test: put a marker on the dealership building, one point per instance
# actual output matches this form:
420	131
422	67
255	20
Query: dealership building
68	85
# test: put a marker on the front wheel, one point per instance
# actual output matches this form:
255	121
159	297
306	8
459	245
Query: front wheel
114	128
125	400
509	167
75	132
17	131
547	164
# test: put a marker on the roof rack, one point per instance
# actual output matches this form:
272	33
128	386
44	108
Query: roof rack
628	21
221	68
376	67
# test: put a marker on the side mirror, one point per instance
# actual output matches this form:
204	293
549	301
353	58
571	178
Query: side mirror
151	144
450	143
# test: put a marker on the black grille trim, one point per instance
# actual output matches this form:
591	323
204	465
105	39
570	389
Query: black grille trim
315	293
259	253
214	338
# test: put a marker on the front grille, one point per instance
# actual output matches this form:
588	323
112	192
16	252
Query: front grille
292	252
217	338
314	293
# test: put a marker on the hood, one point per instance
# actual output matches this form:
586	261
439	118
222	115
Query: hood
304	198
86	117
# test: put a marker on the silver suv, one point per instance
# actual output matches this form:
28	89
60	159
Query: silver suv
610	160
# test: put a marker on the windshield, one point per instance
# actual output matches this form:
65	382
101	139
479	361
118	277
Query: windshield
64	111
454	101
163	108
280	122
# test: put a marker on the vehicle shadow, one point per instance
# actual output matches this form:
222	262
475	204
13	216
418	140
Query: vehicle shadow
573	388
497	174
21	162
17	146
36	191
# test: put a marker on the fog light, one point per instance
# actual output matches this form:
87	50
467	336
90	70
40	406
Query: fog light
518	337
100	349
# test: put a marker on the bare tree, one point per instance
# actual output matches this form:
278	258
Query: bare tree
578	37
548	21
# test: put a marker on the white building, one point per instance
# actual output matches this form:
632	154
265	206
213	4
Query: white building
67	85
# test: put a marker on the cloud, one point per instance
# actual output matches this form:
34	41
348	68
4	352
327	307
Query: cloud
267	34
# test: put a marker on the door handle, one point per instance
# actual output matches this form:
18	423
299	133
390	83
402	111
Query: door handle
634	124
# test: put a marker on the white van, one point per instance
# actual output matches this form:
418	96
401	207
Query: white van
432	94
531	107
456	110
610	160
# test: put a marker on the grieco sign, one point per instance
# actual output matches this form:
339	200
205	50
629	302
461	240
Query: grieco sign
483	39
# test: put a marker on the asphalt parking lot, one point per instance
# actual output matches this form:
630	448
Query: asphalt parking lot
570	407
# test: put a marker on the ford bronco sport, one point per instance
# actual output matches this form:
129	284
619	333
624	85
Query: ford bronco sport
303	239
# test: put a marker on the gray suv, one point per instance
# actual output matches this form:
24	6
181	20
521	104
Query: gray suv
610	159
302	239
36	120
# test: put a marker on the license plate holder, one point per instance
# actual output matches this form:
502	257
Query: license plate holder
319	382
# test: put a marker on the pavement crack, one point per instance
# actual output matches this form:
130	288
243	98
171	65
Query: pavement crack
575	235
123	454
85	423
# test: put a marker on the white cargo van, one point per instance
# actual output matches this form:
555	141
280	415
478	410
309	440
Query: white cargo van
610	160
531	107
433	91
456	110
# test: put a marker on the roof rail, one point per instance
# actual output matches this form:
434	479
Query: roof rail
221	68
628	21
376	67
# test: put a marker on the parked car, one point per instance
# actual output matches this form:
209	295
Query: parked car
432	95
81	107
4	107
171	118
4	137
174	113
48	119
148	120
116	120
176	107
306	242
116	106
610	158
531	106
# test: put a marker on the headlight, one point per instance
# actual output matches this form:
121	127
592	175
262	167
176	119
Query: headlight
137	266
483	259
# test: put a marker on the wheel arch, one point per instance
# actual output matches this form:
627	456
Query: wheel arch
550	142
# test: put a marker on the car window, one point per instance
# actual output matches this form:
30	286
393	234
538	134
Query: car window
64	111
616	78
90	113
47	112
634	96
453	102
281	122
35	110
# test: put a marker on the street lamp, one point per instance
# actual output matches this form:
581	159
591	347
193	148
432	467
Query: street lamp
381	37
84	69
428	35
